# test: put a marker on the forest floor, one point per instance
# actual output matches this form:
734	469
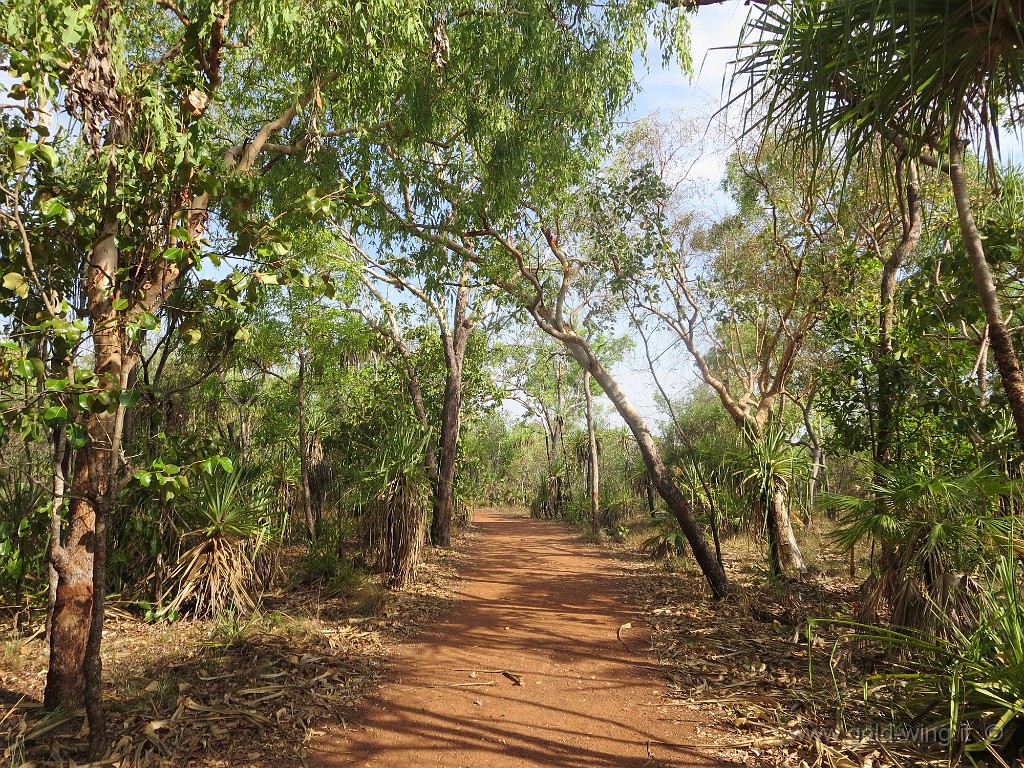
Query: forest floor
523	646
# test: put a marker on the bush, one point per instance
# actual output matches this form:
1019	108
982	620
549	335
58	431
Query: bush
324	563
229	524
967	683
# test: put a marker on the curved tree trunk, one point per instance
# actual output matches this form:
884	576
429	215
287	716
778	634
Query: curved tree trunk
999	338
660	476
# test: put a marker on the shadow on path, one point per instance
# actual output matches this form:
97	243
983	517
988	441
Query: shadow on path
537	604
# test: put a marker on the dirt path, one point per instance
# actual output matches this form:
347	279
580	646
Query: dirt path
540	605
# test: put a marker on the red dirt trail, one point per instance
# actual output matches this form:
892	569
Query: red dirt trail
535	602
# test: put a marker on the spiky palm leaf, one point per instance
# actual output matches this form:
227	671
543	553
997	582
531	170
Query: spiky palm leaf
967	682
935	531
393	494
226	527
917	70
770	461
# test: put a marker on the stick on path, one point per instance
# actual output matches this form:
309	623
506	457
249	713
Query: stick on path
550	612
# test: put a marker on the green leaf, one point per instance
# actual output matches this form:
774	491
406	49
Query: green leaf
226	465
77	435
55	385
48	154
24	368
120	305
173	254
55	415
129	398
53	208
144	478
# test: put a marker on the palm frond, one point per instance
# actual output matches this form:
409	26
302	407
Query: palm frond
920	70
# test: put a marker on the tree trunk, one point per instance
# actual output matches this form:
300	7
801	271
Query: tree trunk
75	669
660	476
999	338
451	411
560	425
817	464
307	501
554	497
783	551
593	476
441	525
887	389
72	559
59	467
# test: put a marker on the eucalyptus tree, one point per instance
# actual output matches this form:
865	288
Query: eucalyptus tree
744	294
138	178
928	77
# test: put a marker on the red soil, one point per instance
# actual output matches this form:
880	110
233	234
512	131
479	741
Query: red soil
538	604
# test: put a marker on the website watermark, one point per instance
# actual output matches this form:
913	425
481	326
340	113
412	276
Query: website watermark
891	733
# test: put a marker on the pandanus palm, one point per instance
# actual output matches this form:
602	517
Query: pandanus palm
768	469
225	529
392	490
928	76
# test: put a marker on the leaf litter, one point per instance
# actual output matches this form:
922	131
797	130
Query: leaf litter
209	694
774	695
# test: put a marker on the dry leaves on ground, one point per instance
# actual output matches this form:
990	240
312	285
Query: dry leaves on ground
207	694
772	692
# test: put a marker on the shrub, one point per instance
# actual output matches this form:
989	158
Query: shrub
226	529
